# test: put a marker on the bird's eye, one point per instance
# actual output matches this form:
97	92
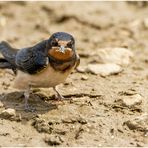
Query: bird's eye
69	44
54	43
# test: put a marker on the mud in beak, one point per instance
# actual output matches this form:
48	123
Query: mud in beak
62	49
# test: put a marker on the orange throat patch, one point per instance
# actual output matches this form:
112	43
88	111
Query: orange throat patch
55	53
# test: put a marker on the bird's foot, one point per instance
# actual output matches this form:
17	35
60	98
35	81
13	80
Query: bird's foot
58	99
58	96
29	108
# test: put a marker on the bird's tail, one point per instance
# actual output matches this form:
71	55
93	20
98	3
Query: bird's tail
8	59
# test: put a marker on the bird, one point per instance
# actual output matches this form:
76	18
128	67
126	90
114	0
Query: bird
46	64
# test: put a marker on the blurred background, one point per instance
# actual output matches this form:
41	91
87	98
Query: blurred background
94	24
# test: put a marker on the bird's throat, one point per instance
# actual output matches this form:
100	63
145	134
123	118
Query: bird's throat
56	54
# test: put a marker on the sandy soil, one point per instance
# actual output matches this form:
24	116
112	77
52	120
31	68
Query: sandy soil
90	114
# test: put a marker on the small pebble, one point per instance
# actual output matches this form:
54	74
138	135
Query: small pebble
131	100
118	55
146	134
6	84
84	77
7	113
104	69
53	140
100	145
112	137
66	83
81	69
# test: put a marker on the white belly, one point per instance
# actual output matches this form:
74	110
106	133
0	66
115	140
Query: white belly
47	78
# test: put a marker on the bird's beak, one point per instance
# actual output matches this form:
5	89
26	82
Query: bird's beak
62	49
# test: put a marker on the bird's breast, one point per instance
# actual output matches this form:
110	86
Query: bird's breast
47	78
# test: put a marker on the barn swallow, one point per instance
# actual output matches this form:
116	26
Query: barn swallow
44	65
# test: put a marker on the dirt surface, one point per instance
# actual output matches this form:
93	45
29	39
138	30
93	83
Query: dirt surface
92	113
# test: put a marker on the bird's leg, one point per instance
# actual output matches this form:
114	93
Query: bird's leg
58	95
27	95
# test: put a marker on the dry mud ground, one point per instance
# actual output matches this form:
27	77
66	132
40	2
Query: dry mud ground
90	114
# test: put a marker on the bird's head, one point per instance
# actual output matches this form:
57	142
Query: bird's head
61	46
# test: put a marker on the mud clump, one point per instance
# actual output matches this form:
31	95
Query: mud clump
8	113
53	140
42	126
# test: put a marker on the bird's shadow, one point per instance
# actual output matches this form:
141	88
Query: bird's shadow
15	100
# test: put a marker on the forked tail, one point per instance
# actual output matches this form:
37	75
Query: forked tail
9	54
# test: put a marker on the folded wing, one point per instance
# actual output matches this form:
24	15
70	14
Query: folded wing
32	60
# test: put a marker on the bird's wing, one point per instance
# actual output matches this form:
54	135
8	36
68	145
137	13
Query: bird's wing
33	59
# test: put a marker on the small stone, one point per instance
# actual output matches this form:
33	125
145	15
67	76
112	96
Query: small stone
82	120
112	137
42	126
104	69
100	145
131	100
84	77
81	69
7	113
7	84
146	133
140	144
139	123
121	56
69	120
66	83
53	140
1	104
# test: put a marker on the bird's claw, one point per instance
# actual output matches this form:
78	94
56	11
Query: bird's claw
58	99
